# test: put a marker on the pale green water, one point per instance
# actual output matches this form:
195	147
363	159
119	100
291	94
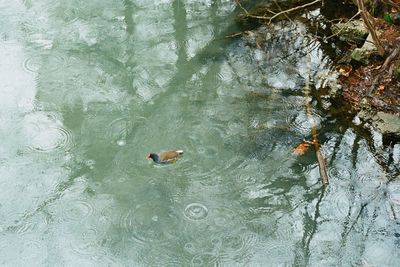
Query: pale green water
88	88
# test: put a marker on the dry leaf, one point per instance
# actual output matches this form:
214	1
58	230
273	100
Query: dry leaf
380	89
301	148
345	70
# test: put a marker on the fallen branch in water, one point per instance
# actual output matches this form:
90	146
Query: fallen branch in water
303	147
323	170
275	14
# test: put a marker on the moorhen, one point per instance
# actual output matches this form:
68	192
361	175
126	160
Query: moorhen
165	156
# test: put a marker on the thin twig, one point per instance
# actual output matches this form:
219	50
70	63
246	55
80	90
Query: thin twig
234	35
293	9
280	9
242	8
392	3
343	28
283	12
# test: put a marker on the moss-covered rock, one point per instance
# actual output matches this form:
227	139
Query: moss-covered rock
354	30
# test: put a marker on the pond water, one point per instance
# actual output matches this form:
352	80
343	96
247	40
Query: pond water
88	88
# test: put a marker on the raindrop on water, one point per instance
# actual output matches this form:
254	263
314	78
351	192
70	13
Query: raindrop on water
205	260
31	64
47	132
121	142
196	211
77	210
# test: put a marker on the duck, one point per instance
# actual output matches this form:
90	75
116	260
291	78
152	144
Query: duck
164	157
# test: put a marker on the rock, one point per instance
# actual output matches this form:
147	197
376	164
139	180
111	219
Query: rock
364	53
385	123
352	30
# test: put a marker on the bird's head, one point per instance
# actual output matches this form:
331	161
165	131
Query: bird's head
152	156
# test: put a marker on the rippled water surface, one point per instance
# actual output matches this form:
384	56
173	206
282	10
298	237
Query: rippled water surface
88	88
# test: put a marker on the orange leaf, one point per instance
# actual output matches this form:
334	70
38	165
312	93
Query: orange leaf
301	148
345	70
381	88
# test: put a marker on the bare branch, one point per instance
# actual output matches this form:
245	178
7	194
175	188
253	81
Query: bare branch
293	9
283	12
392	56
241	7
280	9
369	22
343	28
